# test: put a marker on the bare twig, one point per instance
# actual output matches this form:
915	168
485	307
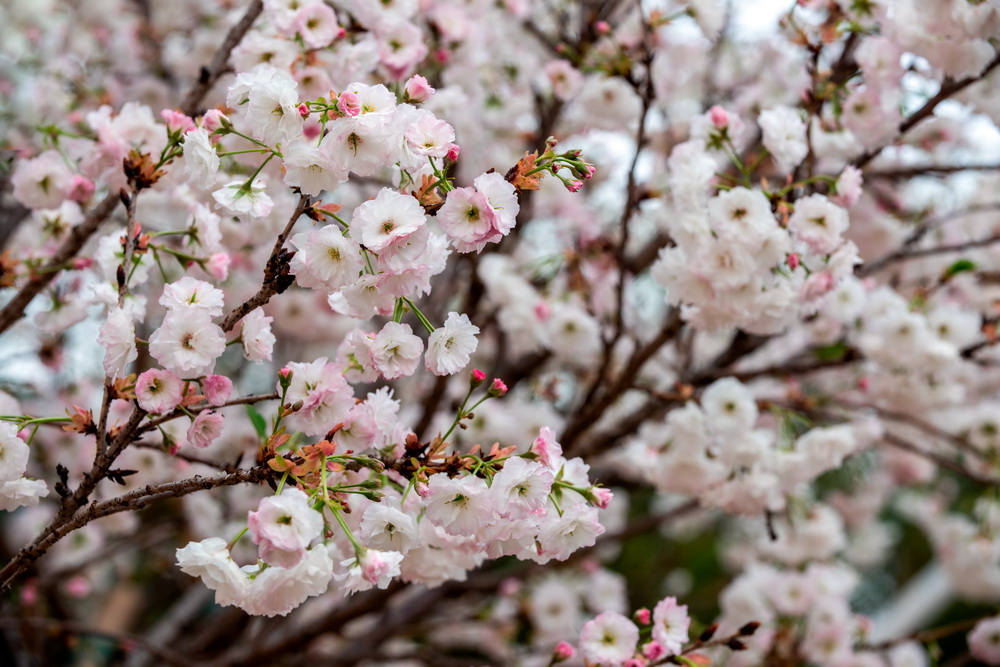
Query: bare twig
14	309
948	88
903	254
124	639
276	276
220	62
129	502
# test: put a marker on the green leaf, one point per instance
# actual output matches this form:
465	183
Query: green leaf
834	352
961	266
259	423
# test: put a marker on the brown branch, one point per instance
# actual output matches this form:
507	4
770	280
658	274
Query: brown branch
14	309
220	62
949	87
903	254
910	172
184	456
152	424
893	415
791	368
129	502
276	276
123	639
592	411
71	503
941	461
926	636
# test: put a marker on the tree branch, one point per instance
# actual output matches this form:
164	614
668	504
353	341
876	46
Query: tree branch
13	310
220	62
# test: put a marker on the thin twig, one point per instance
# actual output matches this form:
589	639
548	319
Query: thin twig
220	62
948	88
14	309
123	639
276	277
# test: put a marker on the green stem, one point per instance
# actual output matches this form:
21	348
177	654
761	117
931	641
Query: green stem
281	483
420	316
232	543
248	150
358	548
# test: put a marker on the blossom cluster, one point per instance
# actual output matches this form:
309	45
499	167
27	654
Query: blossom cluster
430	529
259	250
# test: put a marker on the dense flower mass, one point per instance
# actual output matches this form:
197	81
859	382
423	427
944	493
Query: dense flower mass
500	332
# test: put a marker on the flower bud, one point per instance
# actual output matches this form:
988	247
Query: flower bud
719	117
602	497
285	377
478	377
82	189
177	121
497	389
418	89
563	651
215	119
642	616
654	650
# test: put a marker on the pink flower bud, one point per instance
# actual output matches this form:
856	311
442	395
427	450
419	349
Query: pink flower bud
634	662
817	285
311	129
497	389
793	260
81	263
864	382
590	171
442	56
177	121
304	110
82	189
341	33
78	587
563	651
719	117
642	616
349	104
509	587
217	388
217	266
602	496
478	377
29	594
602	27
418	89
213	120
654	650
453	152
574	186
373	566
